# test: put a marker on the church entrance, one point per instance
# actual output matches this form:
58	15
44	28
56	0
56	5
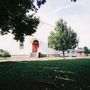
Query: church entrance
35	46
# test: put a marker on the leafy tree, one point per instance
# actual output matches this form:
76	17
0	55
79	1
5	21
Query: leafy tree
63	38
86	50
74	0
14	18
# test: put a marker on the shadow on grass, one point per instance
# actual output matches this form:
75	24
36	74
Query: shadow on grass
40	85
45	75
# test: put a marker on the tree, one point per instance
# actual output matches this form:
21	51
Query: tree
86	50
74	0
63	38
14	18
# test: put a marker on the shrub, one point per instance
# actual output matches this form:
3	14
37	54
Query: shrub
4	53
41	55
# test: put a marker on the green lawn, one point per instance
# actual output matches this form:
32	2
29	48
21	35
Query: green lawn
45	75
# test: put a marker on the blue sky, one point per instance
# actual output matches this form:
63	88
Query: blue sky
77	15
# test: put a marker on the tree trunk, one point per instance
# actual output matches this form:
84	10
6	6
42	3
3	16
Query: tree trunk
63	55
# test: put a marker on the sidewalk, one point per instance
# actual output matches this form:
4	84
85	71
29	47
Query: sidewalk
27	58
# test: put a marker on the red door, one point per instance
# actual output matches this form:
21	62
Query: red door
35	46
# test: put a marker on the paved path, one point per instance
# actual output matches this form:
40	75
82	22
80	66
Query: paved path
39	59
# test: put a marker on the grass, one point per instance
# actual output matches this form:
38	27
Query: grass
45	75
3	58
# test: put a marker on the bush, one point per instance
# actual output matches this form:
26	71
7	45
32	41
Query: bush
41	55
4	54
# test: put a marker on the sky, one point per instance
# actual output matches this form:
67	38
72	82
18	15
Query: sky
77	16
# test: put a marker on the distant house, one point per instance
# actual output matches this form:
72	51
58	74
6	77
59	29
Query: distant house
80	52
